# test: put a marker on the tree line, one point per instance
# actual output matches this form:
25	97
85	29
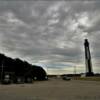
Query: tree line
21	68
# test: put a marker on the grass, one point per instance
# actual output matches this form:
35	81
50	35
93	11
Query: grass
87	78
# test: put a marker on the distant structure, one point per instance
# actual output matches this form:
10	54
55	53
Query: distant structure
89	70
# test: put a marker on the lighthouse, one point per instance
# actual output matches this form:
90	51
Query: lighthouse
89	70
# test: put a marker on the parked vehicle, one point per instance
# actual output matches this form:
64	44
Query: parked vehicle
66	78
6	79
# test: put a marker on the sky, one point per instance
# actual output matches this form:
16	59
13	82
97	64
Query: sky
51	33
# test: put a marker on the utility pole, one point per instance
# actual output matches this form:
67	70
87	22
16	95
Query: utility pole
2	70
74	70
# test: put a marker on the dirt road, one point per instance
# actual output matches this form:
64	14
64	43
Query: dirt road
53	89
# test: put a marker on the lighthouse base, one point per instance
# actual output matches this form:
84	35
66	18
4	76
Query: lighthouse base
89	74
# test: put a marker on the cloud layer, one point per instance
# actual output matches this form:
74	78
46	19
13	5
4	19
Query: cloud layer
51	33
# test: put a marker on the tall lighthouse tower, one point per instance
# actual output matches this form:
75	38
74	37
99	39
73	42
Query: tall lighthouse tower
89	70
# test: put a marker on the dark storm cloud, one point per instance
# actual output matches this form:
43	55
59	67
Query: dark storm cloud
49	32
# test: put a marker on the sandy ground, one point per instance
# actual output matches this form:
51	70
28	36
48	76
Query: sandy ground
53	89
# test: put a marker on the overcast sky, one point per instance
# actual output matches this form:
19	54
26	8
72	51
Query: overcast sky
51	33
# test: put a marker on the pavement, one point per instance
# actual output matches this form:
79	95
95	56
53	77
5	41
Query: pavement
53	89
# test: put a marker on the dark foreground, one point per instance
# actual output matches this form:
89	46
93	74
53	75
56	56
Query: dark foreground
53	89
